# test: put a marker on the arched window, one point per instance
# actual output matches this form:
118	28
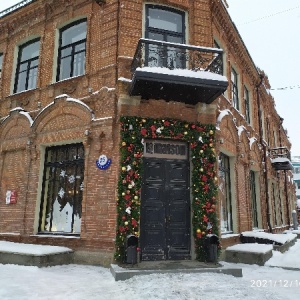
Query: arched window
27	66
71	51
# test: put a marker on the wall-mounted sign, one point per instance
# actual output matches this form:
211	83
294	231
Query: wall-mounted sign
11	197
165	149
103	162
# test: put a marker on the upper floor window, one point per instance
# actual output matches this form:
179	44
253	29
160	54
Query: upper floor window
234	89
247	105
27	66
164	24
216	45
268	132
71	51
1	61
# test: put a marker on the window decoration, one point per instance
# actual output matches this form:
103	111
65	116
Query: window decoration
201	139
60	210
27	66
71	51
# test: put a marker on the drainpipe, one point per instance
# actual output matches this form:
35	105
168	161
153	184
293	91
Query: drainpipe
265	153
285	179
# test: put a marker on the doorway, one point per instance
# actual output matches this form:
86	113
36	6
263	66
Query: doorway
165	209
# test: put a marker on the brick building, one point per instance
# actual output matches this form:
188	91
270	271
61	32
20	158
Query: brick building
132	118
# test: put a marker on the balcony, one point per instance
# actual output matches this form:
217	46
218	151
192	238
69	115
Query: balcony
281	159
177	72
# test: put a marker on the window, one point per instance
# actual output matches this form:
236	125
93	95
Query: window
298	185
62	189
253	200
247	105
225	193
71	51
27	66
268	131
216	45
234	89
164	24
1	61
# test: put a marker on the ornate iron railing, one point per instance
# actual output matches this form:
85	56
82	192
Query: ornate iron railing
15	7
152	53
280	152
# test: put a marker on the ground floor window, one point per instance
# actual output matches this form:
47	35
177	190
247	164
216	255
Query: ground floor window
253	200
61	200
225	193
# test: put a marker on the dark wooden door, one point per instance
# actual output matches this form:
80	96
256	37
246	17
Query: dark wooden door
165	210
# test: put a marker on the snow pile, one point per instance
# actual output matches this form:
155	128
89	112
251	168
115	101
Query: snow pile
184	73
31	248
251	247
278	238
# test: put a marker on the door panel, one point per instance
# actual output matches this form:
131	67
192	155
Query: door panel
165	210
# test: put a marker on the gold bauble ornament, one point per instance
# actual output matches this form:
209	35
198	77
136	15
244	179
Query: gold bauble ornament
123	169
125	223
123	144
198	230
211	132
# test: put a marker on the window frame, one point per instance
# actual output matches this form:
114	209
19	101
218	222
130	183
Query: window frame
165	56
1	63
254	199
247	105
28	68
234	88
165	32
73	51
227	208
216	45
59	159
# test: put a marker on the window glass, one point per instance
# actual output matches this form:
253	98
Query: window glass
164	19
73	34
225	194
27	66
164	24
234	89
61	204
247	104
1	61
30	51
72	50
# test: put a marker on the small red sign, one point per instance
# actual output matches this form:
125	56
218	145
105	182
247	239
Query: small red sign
13	197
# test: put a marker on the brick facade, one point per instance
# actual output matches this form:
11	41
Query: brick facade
51	114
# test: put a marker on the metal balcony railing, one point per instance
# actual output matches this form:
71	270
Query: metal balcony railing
280	152
15	7
153	53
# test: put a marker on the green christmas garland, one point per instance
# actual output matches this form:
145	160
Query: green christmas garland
201	140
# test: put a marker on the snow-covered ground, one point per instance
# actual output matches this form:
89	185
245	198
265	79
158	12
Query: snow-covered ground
94	282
